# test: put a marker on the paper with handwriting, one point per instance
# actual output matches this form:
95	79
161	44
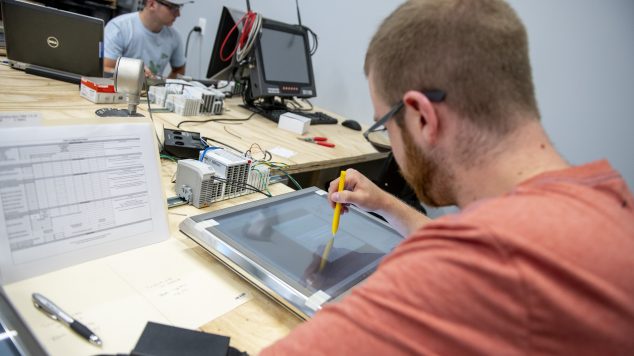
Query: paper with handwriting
117	295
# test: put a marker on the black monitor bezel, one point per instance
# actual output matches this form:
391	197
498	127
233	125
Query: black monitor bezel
292	29
258	68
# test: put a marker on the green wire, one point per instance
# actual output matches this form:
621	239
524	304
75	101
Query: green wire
279	166
171	158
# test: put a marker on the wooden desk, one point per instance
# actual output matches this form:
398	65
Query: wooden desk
256	323
59	100
260	321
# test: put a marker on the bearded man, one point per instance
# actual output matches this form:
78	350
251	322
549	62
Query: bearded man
540	258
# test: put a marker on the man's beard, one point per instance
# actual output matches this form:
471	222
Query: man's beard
431	181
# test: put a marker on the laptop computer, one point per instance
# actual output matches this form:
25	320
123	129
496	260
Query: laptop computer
53	43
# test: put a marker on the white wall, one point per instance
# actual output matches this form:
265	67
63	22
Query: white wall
582	53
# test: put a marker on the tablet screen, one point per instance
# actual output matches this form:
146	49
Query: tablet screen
288	238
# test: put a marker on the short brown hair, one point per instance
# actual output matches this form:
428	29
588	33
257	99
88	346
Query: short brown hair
474	50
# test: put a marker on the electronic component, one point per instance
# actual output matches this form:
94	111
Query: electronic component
195	183
182	144
185	106
157	95
231	167
259	176
212	99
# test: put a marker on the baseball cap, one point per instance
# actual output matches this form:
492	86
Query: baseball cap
175	3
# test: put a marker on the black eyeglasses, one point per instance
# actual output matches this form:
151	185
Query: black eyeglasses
435	96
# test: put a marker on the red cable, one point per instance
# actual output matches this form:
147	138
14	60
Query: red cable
248	25
249	20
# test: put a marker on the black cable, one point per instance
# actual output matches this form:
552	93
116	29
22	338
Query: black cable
213	120
149	110
313	48
224	86
195	29
299	17
220	142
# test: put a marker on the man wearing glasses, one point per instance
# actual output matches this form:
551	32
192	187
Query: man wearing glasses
147	35
540	258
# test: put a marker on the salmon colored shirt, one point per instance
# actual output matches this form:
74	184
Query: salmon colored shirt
547	269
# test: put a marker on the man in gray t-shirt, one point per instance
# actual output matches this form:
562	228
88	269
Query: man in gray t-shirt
147	35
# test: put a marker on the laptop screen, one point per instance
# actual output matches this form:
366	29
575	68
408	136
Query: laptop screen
51	38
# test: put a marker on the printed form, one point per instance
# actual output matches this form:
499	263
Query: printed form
75	203
74	193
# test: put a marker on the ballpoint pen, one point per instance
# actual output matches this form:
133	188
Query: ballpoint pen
335	222
55	313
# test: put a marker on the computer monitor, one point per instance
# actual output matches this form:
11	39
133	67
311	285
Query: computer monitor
283	66
43	40
279	65
220	66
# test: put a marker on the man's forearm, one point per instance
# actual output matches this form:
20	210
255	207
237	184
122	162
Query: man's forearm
402	217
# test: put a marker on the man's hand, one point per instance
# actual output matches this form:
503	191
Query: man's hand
364	194
148	72
359	190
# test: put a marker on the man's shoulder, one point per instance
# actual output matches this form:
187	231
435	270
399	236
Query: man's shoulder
124	20
547	211
576	190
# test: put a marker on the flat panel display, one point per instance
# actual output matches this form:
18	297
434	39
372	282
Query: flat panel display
284	56
280	241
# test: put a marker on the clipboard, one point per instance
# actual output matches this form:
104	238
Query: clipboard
277	244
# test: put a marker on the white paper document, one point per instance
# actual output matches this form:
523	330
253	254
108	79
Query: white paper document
116	296
70	194
83	222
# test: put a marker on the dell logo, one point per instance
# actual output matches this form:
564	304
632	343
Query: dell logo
52	42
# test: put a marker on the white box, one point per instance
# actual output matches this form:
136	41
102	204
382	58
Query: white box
99	90
294	123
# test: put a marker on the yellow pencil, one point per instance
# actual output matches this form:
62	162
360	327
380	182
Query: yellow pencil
335	223
324	256
335	217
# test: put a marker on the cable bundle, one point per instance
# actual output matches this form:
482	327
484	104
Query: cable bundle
252	23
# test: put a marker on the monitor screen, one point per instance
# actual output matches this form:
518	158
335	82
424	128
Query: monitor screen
283	56
282	63
220	65
279	65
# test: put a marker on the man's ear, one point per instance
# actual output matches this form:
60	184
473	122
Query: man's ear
421	118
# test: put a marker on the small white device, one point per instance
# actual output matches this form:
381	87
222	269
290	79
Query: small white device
195	183
212	99
294	123
232	167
